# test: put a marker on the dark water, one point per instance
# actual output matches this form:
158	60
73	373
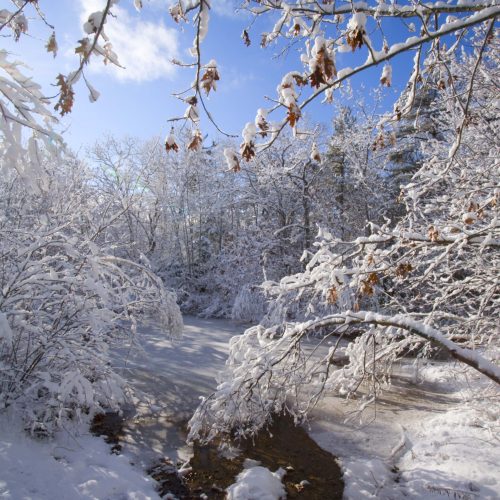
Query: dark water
282	445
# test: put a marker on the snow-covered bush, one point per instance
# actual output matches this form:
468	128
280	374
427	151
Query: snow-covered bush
250	304
65	299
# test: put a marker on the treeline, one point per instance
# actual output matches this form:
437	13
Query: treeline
212	233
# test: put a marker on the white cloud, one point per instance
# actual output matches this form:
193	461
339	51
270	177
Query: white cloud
236	80
145	48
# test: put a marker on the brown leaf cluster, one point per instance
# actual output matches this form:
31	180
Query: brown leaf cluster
83	48
325	69
379	142
177	13
403	269
433	233
196	141
247	150
385	81
51	45
263	127
170	143
315	156
368	284
300	80
66	96
355	38
233	160
246	38
19	26
293	114
171	147
208	80
332	295
473	207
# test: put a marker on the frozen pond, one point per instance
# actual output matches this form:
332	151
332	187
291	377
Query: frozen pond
169	376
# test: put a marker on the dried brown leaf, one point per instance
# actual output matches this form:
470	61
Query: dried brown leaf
66	96
51	45
246	38
208	80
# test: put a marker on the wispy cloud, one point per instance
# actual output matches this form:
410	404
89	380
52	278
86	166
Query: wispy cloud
145	48
236	80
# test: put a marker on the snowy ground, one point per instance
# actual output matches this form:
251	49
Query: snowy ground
67	468
435	434
171	374
257	482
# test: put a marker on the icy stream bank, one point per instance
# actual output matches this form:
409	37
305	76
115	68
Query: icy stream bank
432	434
170	376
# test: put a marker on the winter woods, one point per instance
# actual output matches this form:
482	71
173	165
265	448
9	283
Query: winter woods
325	30
381	233
67	298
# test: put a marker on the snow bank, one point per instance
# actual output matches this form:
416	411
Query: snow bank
255	482
434	436
68	467
364	478
455	454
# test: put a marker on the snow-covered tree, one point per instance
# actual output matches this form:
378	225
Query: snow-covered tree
427	278
326	29
428	281
25	110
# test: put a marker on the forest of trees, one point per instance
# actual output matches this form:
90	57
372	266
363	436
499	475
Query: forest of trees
379	228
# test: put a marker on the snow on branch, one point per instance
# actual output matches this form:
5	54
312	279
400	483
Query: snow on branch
467	356
309	21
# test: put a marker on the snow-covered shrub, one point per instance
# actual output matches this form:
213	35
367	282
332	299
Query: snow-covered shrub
250	304
65	301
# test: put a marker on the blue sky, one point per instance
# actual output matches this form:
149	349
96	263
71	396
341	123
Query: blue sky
137	101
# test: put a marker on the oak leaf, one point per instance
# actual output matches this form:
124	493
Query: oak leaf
355	38
247	150
332	295
170	143
66	96
293	114
196	141
246	38
209	78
